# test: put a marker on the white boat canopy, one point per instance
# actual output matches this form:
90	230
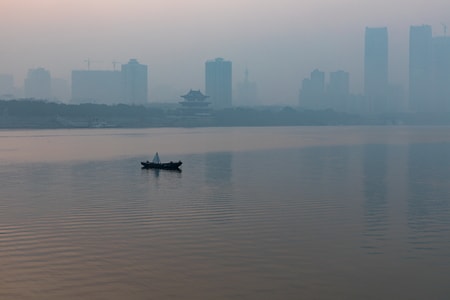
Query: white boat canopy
156	159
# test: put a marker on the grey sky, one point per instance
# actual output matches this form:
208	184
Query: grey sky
280	42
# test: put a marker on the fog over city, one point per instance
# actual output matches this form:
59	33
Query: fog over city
279	42
224	149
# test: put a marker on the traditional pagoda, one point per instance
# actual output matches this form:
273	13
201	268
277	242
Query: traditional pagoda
194	104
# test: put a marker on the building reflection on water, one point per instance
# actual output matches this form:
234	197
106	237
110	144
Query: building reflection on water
375	196
428	198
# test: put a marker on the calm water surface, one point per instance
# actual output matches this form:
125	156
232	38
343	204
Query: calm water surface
256	213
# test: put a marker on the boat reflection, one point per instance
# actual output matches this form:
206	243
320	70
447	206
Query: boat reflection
157	171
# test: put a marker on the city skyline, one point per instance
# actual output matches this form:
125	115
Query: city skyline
279	42
127	86
428	68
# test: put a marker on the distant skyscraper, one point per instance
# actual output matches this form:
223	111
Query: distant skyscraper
420	68
38	84
97	86
312	93
376	69
218	82
247	93
318	81
135	82
441	73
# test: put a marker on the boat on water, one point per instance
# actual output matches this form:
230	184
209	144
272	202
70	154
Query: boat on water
157	164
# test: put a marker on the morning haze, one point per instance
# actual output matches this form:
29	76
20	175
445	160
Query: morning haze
179	164
279	42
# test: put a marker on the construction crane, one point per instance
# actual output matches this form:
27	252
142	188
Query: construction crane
89	61
114	64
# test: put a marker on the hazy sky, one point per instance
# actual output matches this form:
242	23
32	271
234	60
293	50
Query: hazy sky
280	42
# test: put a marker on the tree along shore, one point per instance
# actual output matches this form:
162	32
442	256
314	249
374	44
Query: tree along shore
28	114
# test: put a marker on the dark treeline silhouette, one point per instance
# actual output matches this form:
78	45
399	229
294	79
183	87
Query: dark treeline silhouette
30	113
37	108
41	114
286	116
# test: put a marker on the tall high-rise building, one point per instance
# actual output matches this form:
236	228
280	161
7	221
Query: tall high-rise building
135	82
218	82
441	73
420	68
376	69
318	80
312	93
38	84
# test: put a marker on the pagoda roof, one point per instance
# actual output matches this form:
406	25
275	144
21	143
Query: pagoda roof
194	95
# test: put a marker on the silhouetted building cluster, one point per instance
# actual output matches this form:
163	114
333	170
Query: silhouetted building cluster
429	82
429	78
128	86
316	94
38	85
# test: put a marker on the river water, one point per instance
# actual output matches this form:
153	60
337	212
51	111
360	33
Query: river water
255	213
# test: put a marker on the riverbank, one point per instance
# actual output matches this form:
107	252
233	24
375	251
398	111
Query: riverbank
32	114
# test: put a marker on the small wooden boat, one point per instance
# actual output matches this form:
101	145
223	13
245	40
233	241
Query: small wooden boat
157	164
